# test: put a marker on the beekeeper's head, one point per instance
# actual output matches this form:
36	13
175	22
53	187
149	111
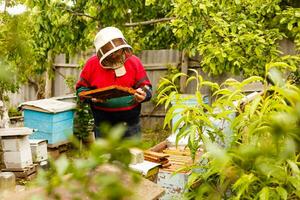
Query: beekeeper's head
109	43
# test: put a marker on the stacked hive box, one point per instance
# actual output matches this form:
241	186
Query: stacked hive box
16	147
38	150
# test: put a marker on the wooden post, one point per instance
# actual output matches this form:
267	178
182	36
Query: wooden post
184	69
48	84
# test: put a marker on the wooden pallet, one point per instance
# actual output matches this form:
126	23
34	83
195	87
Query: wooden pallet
58	144
177	158
57	149
26	173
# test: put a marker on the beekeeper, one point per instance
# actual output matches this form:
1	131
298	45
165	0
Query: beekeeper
115	64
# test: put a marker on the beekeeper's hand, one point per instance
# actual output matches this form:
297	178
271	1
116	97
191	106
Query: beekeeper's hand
140	95
95	100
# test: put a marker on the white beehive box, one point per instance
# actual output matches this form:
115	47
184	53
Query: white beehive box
15	143
18	160
174	184
38	150
16	147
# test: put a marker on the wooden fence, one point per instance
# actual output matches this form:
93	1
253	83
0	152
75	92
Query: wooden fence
156	63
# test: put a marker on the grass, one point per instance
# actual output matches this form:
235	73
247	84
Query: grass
152	137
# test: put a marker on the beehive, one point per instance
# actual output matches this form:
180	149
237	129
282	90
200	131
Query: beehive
38	150
52	119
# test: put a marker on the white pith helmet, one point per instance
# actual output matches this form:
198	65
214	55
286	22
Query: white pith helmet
109	40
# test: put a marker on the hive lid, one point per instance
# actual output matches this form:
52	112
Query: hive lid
144	167
20	131
48	105
107	92
36	141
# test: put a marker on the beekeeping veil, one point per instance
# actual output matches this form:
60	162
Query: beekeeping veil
107	41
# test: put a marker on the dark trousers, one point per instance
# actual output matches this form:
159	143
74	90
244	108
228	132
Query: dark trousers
132	131
129	118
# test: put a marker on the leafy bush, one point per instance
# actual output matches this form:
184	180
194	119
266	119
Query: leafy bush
13	111
252	155
83	120
100	173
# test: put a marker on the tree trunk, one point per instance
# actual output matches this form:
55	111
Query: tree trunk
48	85
4	118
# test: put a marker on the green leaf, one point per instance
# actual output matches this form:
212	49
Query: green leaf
116	132
165	90
163	82
169	116
210	84
295	181
264	194
199	96
238	2
192	179
243	183
177	75
179	123
61	165
195	71
169	99
254	105
191	28
282	193
218	154
281	65
222	92
233	95
203	7
290	25
294	167
182	133
190	79
149	2
162	100
251	79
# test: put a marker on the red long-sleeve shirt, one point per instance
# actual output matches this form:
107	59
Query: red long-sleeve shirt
95	76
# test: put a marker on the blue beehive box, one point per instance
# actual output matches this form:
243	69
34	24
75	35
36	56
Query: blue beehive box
52	119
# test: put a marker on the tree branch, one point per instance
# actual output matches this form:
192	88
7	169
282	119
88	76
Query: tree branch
81	14
54	68
153	21
33	83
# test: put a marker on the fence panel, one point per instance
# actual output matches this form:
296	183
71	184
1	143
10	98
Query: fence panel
156	64
25	93
65	68
60	86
